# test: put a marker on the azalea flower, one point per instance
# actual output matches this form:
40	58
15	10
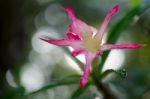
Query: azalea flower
86	40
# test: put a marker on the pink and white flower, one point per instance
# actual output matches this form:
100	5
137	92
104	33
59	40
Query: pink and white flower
82	38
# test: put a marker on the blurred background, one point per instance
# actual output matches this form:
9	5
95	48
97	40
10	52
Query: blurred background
32	69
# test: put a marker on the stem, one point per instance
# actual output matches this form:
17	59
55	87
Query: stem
104	89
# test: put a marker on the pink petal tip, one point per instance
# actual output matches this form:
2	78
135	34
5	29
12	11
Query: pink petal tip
83	82
139	45
74	53
133	46
84	79
46	40
69	10
114	9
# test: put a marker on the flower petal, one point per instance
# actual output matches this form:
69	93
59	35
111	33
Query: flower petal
75	44
85	77
94	30
62	42
72	36
120	46
70	12
89	58
101	30
77	52
98	53
77	26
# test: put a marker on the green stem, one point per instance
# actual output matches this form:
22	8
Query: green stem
104	89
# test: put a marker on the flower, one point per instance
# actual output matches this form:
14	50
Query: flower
82	38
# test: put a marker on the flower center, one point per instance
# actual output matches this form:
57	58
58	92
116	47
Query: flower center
92	44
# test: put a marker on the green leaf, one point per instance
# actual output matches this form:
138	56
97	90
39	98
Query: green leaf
73	76
106	73
79	91
135	3
122	73
55	84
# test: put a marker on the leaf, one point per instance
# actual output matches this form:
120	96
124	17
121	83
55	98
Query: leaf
73	76
106	73
78	92
122	73
135	3
54	84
